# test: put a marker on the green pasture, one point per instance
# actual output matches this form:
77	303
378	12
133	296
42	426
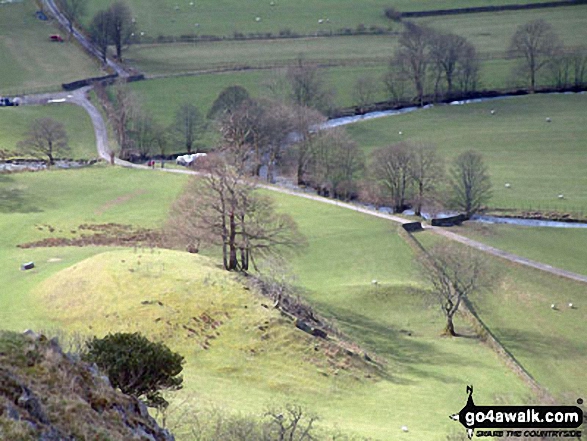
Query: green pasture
228	16
549	343
31	202
157	59
15	123
540	160
564	248
245	368
32	63
163	96
491	32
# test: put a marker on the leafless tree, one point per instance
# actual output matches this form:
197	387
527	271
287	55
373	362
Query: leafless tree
223	209
124	109
365	91
395	82
307	87
100	32
454	59
469	182
188	125
336	164
142	135
413	57
306	121
73	10
427	170
45	139
121	26
391	167
535	42
455	272
291	424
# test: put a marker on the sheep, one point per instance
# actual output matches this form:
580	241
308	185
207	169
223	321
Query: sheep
258	19
548	119
400	133
374	282
571	306
553	307
405	428
320	21
507	185
561	196
492	112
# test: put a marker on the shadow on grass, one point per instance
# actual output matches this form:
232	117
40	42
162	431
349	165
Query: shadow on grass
406	353
539	344
14	199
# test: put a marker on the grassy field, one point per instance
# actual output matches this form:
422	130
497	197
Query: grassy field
559	247
30	62
549	343
242	371
64	200
218	18
540	160
15	122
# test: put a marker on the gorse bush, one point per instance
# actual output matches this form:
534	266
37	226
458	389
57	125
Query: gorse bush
137	366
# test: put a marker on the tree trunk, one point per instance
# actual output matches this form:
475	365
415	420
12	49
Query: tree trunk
449	330
233	262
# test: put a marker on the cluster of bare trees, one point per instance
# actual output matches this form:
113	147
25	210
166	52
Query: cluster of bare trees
413	175
432	64
140	135
263	134
540	50
114	25
223	209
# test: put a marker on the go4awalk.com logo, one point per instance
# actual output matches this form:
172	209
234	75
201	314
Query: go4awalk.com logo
520	421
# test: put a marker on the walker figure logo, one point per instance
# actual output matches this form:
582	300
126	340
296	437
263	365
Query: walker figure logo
519	417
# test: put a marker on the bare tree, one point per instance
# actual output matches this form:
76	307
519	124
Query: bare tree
73	10
470	183
413	57
455	272
100	32
579	67
395	82
223	209
188	125
427	170
391	167
535	42
307	87
365	91
125	108
121	26
45	139
141	134
336	164
306	121
291	424
237	128
454	58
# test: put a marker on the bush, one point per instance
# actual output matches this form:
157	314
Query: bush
137	366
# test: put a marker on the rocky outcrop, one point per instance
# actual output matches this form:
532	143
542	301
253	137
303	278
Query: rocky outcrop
48	395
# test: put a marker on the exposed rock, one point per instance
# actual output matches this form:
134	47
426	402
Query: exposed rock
59	398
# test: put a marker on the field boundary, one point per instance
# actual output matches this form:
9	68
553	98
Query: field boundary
483	331
481	9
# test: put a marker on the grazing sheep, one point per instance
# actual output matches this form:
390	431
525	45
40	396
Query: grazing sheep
553	306
374	282
548	119
257	19
507	185
320	21
561	196
404	428
492	112
571	305
400	133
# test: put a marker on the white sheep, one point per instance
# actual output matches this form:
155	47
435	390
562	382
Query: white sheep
553	306
374	282
258	19
507	185
404	428
548	119
571	305
561	196
320	21
492	112
400	133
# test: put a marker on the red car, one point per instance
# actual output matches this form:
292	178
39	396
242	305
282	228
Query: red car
56	37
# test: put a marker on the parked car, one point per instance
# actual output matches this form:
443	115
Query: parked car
56	37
